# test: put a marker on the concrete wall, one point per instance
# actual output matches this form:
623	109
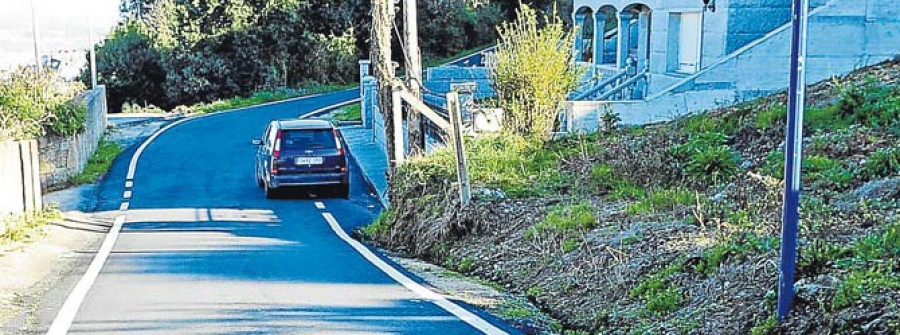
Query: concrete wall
20	187
64	157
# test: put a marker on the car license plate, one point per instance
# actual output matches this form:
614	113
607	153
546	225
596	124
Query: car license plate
308	160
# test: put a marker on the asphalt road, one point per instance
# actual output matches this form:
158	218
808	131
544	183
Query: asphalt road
203	252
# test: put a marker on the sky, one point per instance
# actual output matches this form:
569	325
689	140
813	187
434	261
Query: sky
63	26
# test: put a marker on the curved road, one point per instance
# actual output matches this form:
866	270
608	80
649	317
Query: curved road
203	251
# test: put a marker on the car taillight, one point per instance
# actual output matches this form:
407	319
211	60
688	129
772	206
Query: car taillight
276	153
337	141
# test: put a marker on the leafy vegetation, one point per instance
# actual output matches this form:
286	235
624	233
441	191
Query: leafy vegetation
27	226
33	104
657	292
534	72
99	163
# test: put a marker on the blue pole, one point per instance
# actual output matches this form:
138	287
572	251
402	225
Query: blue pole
793	153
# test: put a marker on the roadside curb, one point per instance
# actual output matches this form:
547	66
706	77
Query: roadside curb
382	198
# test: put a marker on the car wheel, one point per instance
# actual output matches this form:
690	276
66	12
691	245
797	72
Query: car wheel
259	181
271	193
343	191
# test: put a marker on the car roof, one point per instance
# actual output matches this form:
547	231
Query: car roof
299	124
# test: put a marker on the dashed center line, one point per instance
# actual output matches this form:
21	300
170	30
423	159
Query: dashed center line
129	184
320	205
123	206
126	195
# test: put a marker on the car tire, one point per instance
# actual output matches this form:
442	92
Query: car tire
343	191
259	181
271	193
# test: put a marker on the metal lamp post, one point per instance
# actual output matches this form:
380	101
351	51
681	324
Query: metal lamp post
793	155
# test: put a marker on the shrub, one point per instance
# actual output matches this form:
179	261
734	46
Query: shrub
32	104
534	72
871	103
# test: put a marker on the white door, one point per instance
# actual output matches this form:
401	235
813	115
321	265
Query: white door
689	43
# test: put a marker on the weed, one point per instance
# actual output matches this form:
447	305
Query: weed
739	248
884	162
565	218
707	157
534	291
626	190
771	117
570	244
863	281
381	225
466	264
660	297
99	163
26	226
872	103
765	327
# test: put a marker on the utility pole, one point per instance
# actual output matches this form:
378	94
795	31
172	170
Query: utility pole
35	28
382	21
414	121
793	154
93	55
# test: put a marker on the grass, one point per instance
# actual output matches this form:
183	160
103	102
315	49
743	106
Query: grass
661	200
99	163
266	96
738	248
765	327
566	218
349	113
863	281
379	226
27	226
657	293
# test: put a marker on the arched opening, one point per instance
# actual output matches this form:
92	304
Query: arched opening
607	35
635	36
584	40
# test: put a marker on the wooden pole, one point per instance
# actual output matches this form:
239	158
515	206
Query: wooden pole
415	123
397	102
382	20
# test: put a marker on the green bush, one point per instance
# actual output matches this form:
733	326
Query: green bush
99	163
534	72
32	104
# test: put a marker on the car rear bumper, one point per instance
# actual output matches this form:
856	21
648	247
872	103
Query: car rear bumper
308	179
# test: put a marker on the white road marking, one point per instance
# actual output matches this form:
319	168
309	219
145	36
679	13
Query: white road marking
461	313
126	195
320	205
327	108
67	313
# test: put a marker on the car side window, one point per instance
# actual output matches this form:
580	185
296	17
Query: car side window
265	137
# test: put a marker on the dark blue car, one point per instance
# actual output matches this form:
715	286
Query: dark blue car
296	153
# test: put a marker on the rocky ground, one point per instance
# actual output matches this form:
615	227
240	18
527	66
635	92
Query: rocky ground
674	228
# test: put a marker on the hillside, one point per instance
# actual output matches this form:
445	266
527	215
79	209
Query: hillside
674	228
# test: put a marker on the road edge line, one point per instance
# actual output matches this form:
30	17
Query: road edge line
70	307
323	110
427	294
67	313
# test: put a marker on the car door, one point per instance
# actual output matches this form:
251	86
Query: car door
262	153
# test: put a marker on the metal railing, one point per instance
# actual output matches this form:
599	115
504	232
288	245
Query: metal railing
624	90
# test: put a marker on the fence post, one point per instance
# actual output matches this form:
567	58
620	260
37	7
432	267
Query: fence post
38	201
462	172
466	99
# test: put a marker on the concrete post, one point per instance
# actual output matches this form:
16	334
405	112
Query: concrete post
466	99
579	40
368	100
643	43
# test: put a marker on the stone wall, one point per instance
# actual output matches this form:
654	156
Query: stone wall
62	158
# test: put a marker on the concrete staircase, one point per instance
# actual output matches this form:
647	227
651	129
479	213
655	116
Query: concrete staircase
843	36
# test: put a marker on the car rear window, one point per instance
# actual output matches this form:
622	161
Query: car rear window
308	139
